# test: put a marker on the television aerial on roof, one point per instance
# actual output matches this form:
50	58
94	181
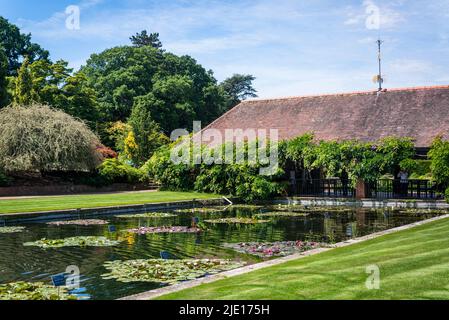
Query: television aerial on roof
379	78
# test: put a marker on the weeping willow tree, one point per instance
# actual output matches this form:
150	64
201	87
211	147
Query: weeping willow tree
37	138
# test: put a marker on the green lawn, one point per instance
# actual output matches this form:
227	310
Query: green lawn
414	264
94	201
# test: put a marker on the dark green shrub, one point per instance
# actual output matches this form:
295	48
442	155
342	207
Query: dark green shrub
115	171
439	155
175	177
96	180
446	194
240	180
422	170
4	179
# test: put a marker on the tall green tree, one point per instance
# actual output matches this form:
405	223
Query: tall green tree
24	85
55	85
4	97
143	39
147	134
239	87
18	45
175	89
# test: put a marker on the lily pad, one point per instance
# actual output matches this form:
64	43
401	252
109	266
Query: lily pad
74	242
281	214
89	222
201	210
285	207
33	291
166	271
236	220
145	230
152	215
12	229
311	209
246	206
274	249
423	211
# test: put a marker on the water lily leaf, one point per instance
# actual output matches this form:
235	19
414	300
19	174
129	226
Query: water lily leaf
307	209
202	210
74	242
246	206
145	230
152	215
236	220
273	249
33	291
166	271
87	222
281	214
12	229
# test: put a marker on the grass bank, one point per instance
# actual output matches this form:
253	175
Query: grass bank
414	264
37	204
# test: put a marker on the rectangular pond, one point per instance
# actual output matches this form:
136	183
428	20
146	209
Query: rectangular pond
314	225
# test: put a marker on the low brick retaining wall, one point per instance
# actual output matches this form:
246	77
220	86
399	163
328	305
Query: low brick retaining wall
12	218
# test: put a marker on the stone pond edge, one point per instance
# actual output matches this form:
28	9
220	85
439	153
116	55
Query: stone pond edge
10	218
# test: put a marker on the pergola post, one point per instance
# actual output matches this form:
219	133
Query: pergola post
360	189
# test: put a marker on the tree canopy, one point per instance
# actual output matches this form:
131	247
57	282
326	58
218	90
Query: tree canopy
175	90
239	87
55	84
4	97
18	45
24	85
143	39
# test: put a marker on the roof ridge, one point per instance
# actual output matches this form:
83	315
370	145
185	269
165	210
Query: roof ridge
349	93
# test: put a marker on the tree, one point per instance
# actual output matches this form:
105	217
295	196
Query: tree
146	133
176	90
142	39
17	46
37	138
239	87
118	76
439	155
4	97
24	85
54	85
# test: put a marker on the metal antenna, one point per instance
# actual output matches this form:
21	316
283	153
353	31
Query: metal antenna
379	77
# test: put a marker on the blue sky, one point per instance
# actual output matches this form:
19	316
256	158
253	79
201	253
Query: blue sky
293	47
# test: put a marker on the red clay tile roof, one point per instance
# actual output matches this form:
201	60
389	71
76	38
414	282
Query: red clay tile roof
421	113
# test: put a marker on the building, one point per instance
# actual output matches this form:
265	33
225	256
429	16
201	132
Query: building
420	113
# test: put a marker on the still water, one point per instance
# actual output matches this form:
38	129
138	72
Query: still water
20	263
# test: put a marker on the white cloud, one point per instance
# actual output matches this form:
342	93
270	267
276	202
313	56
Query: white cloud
170	20
410	66
292	47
